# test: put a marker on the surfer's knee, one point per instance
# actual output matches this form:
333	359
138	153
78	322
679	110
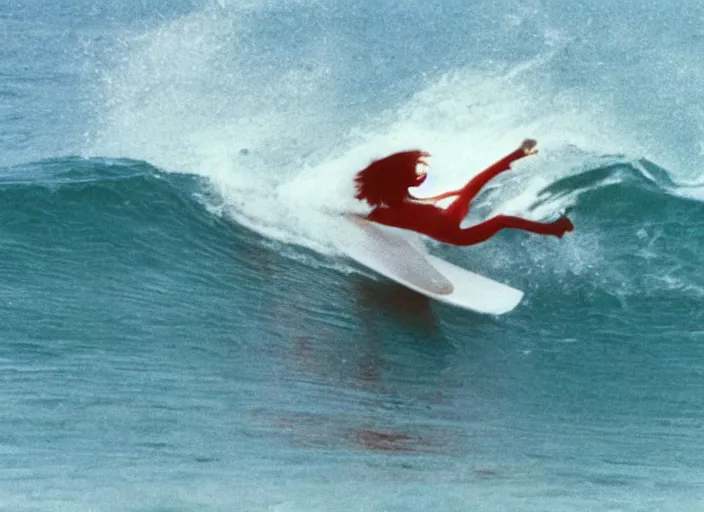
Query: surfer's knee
472	235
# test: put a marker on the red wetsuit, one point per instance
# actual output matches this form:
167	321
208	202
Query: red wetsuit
443	224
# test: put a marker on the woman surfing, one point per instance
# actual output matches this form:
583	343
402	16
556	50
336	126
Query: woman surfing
384	185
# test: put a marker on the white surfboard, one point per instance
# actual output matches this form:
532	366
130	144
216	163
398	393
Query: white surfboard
388	252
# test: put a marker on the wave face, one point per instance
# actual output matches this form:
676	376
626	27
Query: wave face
127	218
180	330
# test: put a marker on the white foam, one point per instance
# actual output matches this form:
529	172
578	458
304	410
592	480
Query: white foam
196	95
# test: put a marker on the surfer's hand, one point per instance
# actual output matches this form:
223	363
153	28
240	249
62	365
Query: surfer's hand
528	147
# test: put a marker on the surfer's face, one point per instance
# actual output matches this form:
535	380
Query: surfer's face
421	172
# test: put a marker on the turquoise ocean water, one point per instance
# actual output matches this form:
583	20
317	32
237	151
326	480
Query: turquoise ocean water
180	332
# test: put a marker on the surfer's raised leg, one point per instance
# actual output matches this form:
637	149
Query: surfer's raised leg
485	230
459	208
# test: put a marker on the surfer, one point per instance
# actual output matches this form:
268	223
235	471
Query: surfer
384	185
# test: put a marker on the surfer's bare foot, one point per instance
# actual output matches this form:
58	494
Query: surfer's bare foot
529	147
563	225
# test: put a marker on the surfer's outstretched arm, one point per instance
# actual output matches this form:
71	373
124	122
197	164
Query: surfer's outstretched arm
472	188
475	185
460	207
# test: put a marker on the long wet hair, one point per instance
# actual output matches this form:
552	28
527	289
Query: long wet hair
385	182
